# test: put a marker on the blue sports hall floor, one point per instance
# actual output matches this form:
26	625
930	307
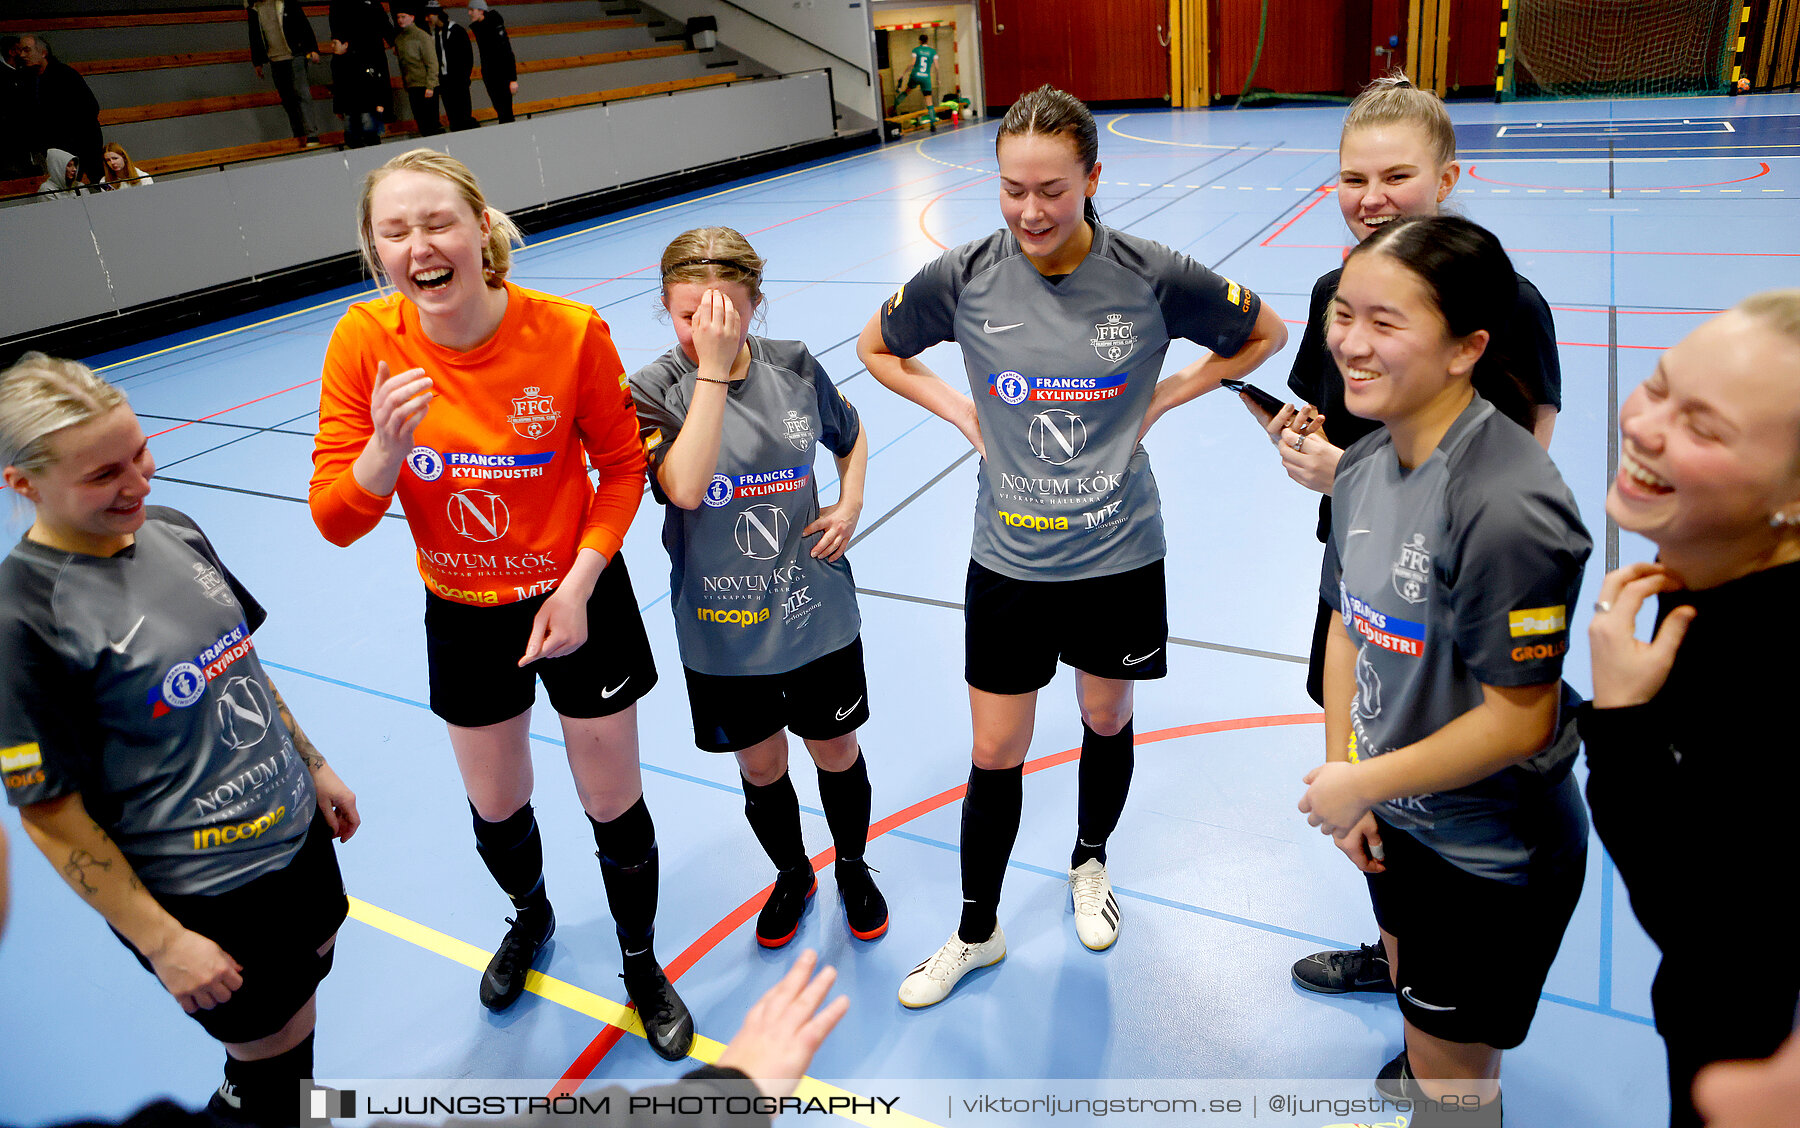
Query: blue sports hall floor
1636	219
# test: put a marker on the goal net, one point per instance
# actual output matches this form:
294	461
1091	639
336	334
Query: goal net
1617	48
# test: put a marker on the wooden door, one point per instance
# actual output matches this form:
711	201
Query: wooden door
1120	49
1098	50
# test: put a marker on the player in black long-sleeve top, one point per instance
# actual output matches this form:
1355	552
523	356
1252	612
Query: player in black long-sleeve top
1685	729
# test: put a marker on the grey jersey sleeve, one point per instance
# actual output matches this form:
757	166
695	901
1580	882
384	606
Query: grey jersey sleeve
656	392
43	742
1206	308
1515	573
839	423
922	313
1331	571
254	615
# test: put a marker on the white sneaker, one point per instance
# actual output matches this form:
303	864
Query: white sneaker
1096	909
932	980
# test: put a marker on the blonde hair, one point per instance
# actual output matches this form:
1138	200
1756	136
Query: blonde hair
503	233
40	396
1392	99
1778	309
706	254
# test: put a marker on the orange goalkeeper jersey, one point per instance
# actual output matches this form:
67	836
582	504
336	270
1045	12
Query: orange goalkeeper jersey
495	488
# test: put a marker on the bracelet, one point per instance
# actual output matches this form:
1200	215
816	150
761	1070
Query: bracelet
710	380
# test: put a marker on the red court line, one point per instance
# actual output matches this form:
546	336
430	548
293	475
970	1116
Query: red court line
227	410
1579	251
1324	191
946	192
771	227
1661	188
1641	312
585	1063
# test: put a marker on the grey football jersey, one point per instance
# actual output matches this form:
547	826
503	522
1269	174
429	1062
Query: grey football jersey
132	680
1456	574
749	598
1062	371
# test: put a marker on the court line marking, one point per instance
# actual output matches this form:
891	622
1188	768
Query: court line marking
522	250
1763	167
589	1058
892	822
584	1064
616	1016
1112	127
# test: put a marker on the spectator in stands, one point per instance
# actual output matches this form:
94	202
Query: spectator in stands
119	172
418	69
456	62
499	70
16	159
282	38
58	109
360	89
65	181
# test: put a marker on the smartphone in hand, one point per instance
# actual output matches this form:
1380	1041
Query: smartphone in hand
1260	398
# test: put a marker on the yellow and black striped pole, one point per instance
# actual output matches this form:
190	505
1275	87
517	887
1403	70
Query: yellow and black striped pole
1500	62
1738	84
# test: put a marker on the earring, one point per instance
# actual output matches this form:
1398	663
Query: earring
1783	520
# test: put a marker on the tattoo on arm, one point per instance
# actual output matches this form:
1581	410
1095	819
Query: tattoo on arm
80	861
309	755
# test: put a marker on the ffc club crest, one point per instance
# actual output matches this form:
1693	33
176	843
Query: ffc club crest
1114	338
799	430
534	415
1412	570
213	584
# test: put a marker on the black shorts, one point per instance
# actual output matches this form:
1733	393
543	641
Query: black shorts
474	652
1014	631
1450	922
821	700
273	927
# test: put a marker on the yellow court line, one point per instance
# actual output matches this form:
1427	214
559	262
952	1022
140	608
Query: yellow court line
594	1006
1112	127
522	251
239	329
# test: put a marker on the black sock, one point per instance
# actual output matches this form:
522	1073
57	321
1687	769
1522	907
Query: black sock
990	825
514	854
1104	779
628	866
845	796
774	813
267	1091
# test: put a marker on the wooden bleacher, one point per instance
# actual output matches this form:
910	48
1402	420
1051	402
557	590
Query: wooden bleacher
163	19
264	98
158	111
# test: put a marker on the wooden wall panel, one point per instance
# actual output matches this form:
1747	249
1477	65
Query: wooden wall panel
1116	52
1099	50
1474	46
1303	51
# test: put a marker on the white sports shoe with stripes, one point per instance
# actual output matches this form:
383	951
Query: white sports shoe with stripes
1096	909
931	981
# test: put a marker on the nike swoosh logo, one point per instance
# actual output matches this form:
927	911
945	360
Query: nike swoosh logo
605	693
1130	661
1406	993
119	646
842	713
990	327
